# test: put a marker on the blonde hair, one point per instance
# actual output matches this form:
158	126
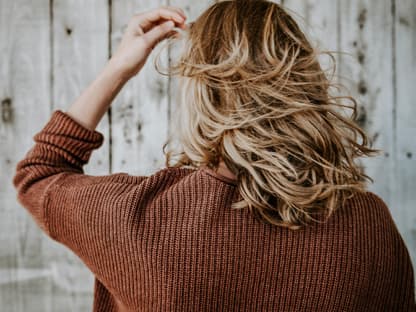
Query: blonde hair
252	93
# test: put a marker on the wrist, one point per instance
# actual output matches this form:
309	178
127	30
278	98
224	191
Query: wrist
116	71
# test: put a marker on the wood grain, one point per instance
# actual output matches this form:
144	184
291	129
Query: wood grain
25	107
79	44
139	113
404	130
50	50
366	35
319	21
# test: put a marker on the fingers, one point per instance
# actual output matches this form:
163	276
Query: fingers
157	33
179	10
147	19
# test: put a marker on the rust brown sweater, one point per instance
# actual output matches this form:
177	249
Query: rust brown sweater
171	242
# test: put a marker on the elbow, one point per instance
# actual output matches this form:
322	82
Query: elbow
30	194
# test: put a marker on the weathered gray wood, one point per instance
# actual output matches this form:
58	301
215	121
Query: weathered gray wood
24	95
319	20
80	50
365	33
404	130
37	274
139	112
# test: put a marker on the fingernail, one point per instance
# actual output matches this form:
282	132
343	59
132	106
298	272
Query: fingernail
170	24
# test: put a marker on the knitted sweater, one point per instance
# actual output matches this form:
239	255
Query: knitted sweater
171	242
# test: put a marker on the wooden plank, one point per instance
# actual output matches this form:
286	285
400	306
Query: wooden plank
37	274
24	96
365	34
405	123
139	112
319	21
80	50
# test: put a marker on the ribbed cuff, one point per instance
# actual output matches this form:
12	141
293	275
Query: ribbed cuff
61	122
68	138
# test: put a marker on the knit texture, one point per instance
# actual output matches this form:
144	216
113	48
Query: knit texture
171	242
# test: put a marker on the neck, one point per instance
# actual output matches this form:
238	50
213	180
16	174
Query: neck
223	170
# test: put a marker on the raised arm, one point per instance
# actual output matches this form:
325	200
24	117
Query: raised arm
143	32
72	207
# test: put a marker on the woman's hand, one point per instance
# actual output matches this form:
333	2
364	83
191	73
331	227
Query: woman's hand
144	31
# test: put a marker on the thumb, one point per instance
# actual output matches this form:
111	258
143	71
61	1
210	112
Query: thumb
158	32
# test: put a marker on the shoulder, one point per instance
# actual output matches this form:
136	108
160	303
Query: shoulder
368	205
178	172
369	218
372	207
373	220
168	174
156	182
392	268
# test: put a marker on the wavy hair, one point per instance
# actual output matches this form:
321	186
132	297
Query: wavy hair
253	94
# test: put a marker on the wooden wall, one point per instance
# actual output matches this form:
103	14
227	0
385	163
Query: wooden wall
51	49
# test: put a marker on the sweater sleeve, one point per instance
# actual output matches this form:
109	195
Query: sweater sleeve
73	208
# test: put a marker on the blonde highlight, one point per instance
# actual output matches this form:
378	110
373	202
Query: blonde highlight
253	94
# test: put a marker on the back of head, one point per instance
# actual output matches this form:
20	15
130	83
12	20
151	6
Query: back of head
253	94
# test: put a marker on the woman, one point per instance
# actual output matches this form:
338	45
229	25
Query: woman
265	210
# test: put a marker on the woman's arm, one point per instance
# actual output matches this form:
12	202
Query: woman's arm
143	32
94	101
76	208
66	142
